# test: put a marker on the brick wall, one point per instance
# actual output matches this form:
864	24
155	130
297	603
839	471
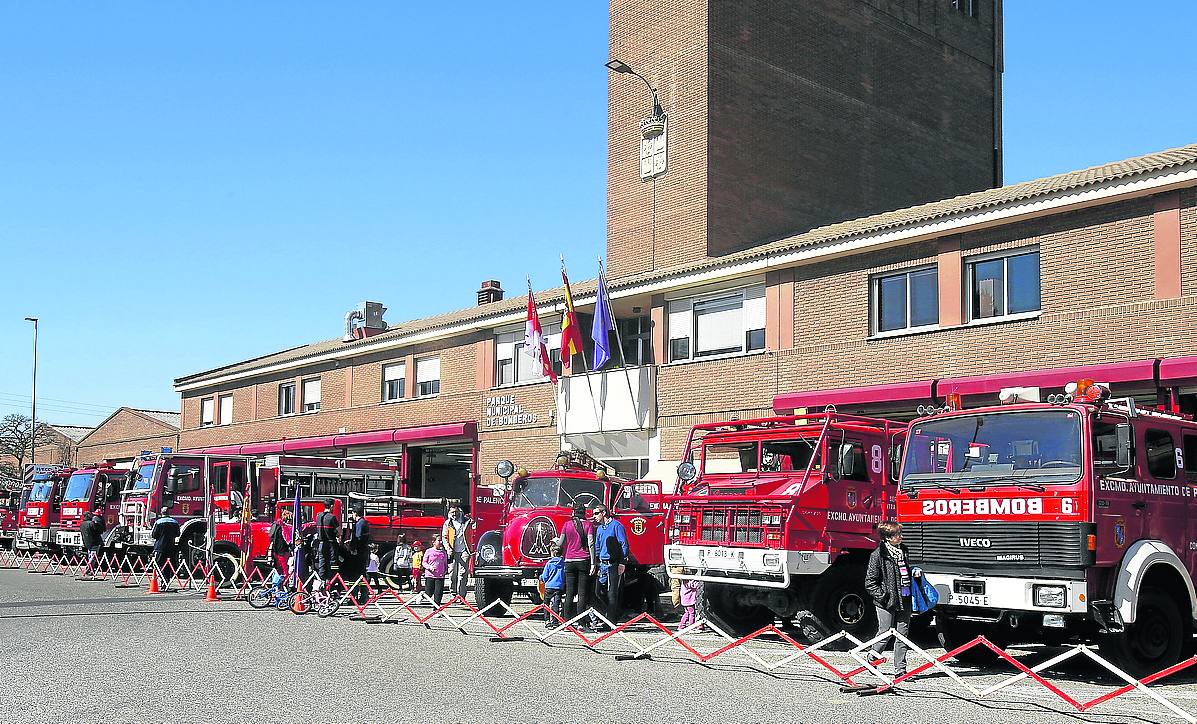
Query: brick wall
784	116
1188	241
124	435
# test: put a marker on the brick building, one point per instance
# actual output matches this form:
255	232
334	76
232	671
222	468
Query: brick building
781	290
125	433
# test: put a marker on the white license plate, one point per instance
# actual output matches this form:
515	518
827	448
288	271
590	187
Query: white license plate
968	599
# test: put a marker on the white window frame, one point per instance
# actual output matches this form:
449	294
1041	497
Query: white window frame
437	381
401	379
207	412
294	398
1004	254
307	406
875	302
514	337
685	306
225	419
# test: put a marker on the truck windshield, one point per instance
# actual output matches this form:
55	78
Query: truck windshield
145	476
775	456
41	492
548	492
1037	446
79	486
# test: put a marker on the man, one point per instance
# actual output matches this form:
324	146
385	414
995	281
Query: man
888	582
92	532
328	535
456	533
282	533
611	545
165	534
357	545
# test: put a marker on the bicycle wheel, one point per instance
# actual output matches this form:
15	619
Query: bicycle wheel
260	597
287	602
328	606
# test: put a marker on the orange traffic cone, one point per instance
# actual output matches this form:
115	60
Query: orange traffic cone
154	585
212	595
300	604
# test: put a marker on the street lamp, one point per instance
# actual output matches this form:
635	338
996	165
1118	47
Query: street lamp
33	423
621	67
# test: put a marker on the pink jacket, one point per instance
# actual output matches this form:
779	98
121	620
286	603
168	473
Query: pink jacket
436	563
689	593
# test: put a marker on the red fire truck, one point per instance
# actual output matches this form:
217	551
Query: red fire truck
89	488
514	545
198	488
37	521
778	518
1044	521
12	502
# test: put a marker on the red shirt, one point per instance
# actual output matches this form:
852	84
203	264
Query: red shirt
574	547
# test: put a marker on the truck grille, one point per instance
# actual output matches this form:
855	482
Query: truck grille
745	525
1000	544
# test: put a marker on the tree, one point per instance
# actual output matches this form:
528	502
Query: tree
17	442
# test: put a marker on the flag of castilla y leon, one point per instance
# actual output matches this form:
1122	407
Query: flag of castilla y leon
534	345
571	333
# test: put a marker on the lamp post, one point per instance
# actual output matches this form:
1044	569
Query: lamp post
621	67
653	146
33	423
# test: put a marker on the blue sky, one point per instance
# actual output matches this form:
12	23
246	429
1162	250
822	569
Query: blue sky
187	185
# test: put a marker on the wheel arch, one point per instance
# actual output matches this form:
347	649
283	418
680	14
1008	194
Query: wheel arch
1155	562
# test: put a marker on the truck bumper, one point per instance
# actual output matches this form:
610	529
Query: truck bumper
36	538
746	566
68	539
1010	593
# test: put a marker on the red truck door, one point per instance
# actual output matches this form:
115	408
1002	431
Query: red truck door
638	507
855	490
1166	515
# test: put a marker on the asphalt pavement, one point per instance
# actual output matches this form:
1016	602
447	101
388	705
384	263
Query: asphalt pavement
87	651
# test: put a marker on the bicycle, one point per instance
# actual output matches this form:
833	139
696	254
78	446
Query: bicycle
323	599
272	594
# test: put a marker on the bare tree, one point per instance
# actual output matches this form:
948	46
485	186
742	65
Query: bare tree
17	442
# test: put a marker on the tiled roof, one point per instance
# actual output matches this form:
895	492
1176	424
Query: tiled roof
1139	165
74	432
174	419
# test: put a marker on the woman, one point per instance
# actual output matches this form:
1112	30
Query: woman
577	546
436	566
888	581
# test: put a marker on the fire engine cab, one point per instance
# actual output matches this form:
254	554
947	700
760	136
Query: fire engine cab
10	503
91	488
37	520
1050	520
536	505
778	518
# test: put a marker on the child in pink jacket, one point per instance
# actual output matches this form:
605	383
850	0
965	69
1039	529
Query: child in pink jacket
689	598
436	566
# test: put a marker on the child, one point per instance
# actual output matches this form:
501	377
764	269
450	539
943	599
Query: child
436	567
401	563
675	586
554	582
417	566
688	598
372	569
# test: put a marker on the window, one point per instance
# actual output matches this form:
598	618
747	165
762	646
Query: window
513	365
907	300
394	381
724	324
311	395
860	467
1105	443
206	411
636	333
286	398
1190	454
226	409
1161	454
428	376
1003	285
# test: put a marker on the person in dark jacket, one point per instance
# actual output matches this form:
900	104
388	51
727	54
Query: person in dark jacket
357	546
282	533
92	533
165	534
888	582
328	534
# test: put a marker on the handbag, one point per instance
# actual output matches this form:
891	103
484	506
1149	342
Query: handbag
923	595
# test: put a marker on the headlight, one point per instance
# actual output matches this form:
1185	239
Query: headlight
1050	596
504	469
771	560
687	472
675	554
488	553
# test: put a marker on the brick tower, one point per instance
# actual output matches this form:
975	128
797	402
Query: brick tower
784	115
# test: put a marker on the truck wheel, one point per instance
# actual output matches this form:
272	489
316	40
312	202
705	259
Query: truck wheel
951	632
385	566
722	605
487	590
1154	641
226	569
840	603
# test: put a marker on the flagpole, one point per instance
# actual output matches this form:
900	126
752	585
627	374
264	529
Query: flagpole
619	342
582	354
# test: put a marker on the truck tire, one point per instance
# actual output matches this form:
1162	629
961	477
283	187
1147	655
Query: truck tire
952	632
487	590
839	602
1154	641
719	605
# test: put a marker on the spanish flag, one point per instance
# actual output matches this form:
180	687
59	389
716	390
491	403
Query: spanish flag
571	333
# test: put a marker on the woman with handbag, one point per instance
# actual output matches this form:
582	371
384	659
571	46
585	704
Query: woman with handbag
889	581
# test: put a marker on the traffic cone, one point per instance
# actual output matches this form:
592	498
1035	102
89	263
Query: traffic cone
211	595
154	584
300	604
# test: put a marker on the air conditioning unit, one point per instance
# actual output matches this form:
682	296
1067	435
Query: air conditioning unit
372	315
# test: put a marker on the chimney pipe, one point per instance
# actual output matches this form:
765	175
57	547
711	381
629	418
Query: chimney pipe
350	317
490	292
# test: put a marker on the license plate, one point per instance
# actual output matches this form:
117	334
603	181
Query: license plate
968	599
716	553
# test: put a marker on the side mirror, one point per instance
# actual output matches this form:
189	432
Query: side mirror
847	460
1126	444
